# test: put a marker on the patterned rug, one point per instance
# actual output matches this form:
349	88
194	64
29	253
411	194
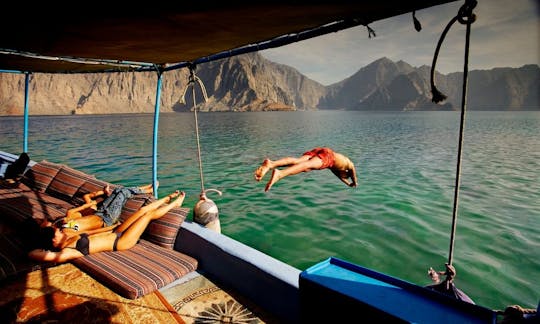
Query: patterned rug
64	294
199	300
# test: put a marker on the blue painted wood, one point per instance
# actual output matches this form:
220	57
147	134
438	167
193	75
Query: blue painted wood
384	294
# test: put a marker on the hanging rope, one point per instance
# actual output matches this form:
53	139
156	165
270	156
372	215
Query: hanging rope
205	211
193	79
466	17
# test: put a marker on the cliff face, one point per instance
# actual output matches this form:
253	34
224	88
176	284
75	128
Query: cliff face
80	93
252	83
243	83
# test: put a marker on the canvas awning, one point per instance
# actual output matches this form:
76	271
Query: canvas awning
161	35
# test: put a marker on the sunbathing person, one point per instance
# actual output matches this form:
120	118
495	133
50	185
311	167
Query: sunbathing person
94	215
316	159
61	247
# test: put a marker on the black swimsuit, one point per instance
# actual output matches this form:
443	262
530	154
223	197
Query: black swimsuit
83	244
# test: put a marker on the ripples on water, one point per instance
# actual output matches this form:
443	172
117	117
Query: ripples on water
397	221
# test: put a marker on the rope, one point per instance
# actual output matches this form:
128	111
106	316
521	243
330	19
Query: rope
192	80
464	16
464	12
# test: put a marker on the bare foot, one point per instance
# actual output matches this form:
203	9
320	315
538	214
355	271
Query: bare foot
149	188
261	171
273	179
178	202
174	194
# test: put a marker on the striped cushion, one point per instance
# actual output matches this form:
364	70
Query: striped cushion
138	271
66	183
18	209
90	185
163	231
40	175
132	205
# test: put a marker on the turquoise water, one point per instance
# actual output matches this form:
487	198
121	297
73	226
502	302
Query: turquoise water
397	221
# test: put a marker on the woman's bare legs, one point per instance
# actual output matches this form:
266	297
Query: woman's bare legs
269	164
312	163
132	234
145	209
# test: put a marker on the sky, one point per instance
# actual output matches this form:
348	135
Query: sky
505	34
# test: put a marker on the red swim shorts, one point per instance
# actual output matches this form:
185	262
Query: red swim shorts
325	154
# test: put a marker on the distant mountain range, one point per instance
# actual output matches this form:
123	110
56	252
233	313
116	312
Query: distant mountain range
252	83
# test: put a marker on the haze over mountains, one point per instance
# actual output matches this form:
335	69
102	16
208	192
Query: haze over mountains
252	83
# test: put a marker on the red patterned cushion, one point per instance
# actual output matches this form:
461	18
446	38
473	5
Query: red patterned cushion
40	175
138	271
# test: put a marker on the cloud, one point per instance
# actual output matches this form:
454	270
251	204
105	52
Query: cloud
505	34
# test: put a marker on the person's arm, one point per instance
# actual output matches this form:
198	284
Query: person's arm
63	255
90	197
73	232
352	171
75	213
83	207
345	175
101	230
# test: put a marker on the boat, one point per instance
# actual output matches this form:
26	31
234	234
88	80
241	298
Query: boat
183	36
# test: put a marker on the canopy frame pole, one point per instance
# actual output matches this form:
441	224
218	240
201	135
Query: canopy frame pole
27	77
155	132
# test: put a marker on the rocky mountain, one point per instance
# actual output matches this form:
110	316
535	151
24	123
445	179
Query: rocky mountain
385	85
252	83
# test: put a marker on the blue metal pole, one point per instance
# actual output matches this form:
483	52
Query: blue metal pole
25	131
155	141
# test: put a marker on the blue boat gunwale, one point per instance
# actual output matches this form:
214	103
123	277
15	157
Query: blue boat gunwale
432	295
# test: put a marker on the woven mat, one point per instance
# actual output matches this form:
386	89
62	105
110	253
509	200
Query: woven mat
65	294
199	300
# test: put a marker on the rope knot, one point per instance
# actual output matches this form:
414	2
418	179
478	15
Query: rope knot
465	15
450	274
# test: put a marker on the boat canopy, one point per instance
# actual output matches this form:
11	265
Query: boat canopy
163	36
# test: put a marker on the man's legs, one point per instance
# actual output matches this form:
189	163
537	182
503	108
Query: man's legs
269	164
313	163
